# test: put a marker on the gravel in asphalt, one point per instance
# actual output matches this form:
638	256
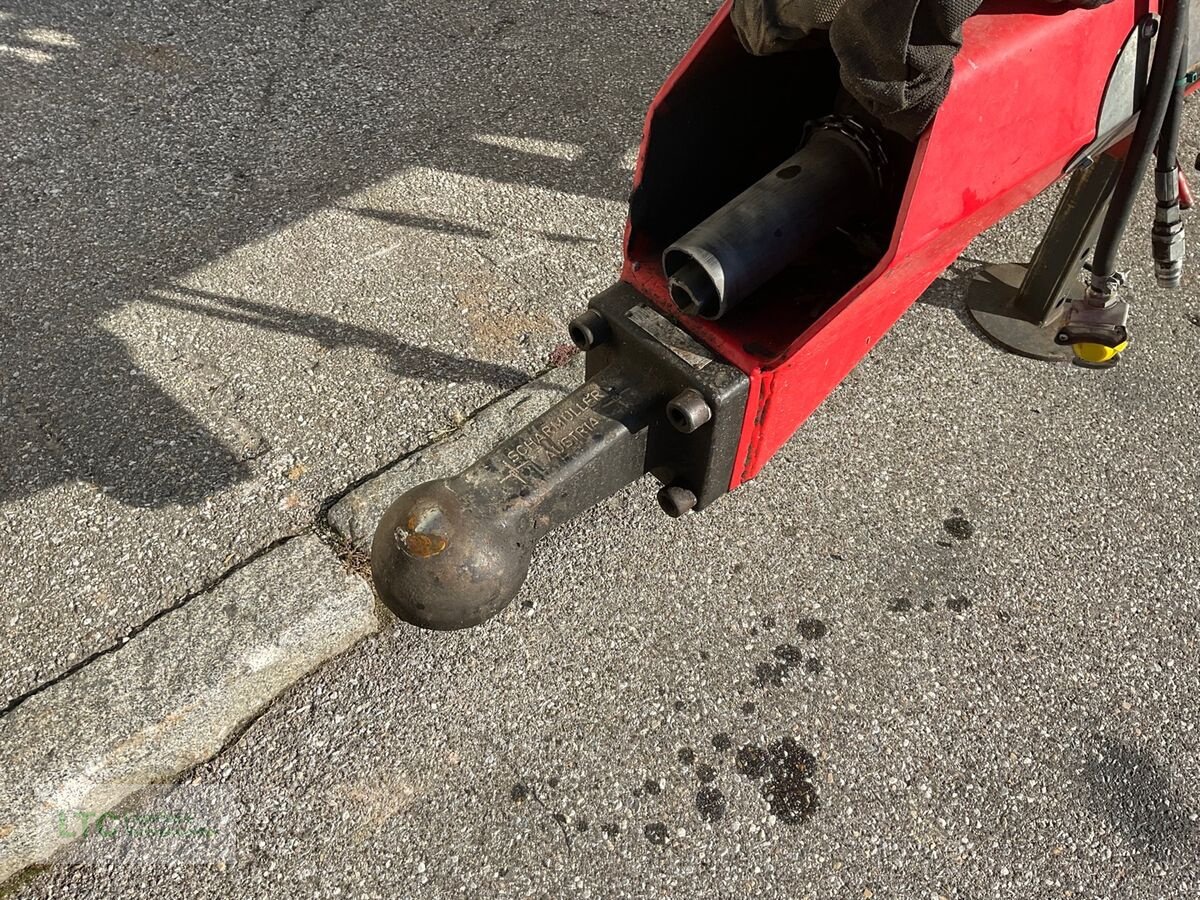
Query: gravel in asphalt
257	251
945	645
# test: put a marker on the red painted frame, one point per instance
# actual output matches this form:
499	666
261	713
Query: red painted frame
1027	88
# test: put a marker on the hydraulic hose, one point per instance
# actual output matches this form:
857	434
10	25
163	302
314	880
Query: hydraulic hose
1161	88
1167	237
1168	139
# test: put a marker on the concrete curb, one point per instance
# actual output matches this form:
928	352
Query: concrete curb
173	695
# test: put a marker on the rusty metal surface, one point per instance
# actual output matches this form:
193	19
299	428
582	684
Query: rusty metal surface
452	553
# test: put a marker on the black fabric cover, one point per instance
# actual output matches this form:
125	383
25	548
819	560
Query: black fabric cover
896	56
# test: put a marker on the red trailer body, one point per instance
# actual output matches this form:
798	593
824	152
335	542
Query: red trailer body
1023	103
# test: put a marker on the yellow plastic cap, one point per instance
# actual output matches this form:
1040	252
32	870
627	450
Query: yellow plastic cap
1097	354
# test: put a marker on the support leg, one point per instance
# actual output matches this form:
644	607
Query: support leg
1021	306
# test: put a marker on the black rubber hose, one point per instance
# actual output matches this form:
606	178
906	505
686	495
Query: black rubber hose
1167	239
1168	139
1171	38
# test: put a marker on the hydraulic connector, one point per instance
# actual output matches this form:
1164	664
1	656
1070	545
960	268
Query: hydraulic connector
1096	325
1167	237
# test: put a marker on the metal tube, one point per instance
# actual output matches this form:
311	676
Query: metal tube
831	181
1054	268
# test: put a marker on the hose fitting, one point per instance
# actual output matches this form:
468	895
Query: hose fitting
1167	236
1096	325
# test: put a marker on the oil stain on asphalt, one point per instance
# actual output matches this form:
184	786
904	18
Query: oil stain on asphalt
959	528
711	804
905	605
788	768
812	629
657	833
789	657
782	771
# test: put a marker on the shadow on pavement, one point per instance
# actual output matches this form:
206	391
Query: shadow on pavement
144	140
1133	792
402	358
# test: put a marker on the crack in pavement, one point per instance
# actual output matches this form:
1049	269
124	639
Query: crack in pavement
341	547
142	626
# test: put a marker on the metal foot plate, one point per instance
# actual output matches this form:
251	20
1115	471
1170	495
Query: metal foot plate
993	299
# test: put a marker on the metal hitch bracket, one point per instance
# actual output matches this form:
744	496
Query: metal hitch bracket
451	554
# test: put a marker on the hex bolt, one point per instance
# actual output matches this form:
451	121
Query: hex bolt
588	330
689	411
676	501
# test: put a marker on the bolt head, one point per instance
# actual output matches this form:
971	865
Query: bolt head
689	411
676	501
588	330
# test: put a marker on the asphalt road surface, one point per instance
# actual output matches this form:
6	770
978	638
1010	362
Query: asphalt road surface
945	645
256	251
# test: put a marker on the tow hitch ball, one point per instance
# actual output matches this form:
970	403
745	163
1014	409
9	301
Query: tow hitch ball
450	554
